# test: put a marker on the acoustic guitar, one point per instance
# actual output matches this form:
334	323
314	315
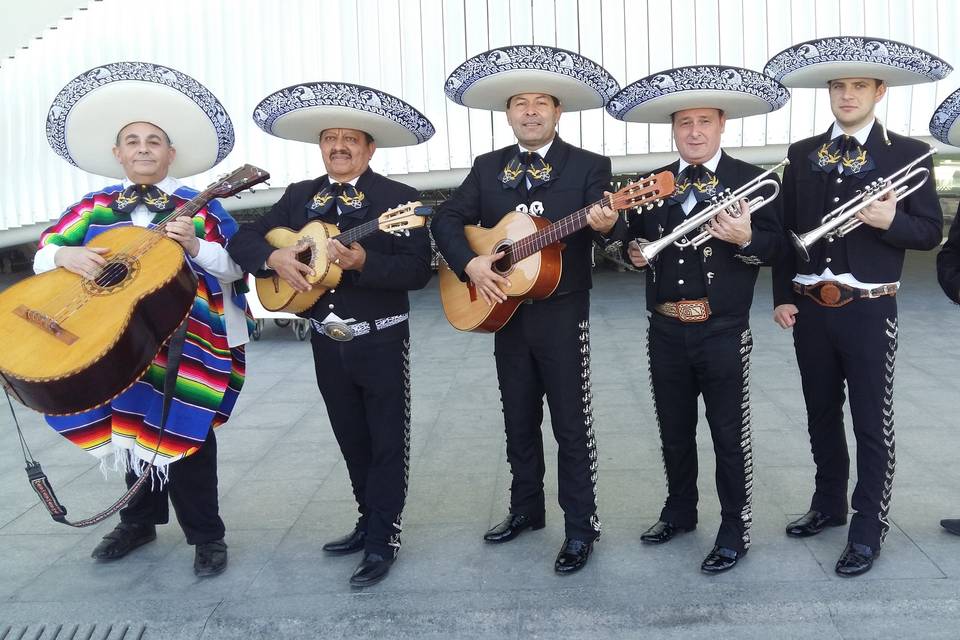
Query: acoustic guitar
69	343
532	261
276	295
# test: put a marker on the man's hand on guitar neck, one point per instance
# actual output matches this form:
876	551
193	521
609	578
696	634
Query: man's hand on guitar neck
602	219
285	262
486	280
349	258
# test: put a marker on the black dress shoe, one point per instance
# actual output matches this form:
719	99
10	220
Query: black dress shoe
721	559
813	522
210	558
126	537
663	532
953	526
856	559
573	555
350	543
512	526
371	570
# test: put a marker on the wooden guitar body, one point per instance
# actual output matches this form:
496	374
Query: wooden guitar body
534	277
68	344
277	295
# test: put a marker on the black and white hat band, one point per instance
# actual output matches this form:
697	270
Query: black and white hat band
88	113
738	92
300	112
488	80
814	63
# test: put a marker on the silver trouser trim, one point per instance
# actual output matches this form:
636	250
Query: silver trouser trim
746	439
889	441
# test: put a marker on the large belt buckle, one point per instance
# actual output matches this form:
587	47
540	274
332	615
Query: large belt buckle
692	310
830	294
339	331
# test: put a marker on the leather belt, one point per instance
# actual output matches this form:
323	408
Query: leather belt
830	293
685	310
344	331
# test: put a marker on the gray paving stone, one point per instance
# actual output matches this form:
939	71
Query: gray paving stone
285	491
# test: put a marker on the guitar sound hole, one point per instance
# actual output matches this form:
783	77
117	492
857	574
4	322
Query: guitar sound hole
505	264
305	256
113	274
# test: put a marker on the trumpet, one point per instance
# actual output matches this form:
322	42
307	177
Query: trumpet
843	220
720	202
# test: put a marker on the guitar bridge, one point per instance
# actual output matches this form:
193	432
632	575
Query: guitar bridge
46	323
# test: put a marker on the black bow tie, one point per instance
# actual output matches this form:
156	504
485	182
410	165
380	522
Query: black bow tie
696	179
147	194
344	195
843	151
529	164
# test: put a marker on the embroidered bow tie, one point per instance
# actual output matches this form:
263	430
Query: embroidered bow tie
698	180
147	194
344	195
843	151
525	164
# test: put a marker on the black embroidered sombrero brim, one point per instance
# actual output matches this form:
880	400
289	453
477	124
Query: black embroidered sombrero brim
738	92
945	123
488	80
300	112
814	63
88	113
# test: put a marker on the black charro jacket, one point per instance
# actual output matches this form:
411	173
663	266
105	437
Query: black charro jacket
873	255
394	264
581	177
948	262
729	273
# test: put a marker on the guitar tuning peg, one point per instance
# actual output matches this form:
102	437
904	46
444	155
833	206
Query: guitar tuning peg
659	203
238	197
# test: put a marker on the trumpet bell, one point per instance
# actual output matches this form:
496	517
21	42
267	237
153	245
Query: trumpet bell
799	246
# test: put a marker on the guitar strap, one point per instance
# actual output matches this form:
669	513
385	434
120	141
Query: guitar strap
41	484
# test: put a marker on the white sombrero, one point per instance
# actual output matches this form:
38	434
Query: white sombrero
488	80
739	92
814	63
300	112
87	114
945	123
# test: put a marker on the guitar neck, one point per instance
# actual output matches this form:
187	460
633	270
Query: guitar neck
350	236
554	232
188	208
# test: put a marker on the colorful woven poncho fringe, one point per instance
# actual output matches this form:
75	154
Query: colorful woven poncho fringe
210	375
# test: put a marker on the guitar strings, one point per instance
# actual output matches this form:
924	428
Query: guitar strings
560	229
72	298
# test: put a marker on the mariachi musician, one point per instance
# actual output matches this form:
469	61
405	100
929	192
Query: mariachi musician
545	346
836	283
148	126
945	127
361	337
704	252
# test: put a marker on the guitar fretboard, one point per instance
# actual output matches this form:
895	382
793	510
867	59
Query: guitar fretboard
553	233
350	236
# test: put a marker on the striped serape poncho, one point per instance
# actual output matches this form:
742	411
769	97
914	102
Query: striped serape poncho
211	373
